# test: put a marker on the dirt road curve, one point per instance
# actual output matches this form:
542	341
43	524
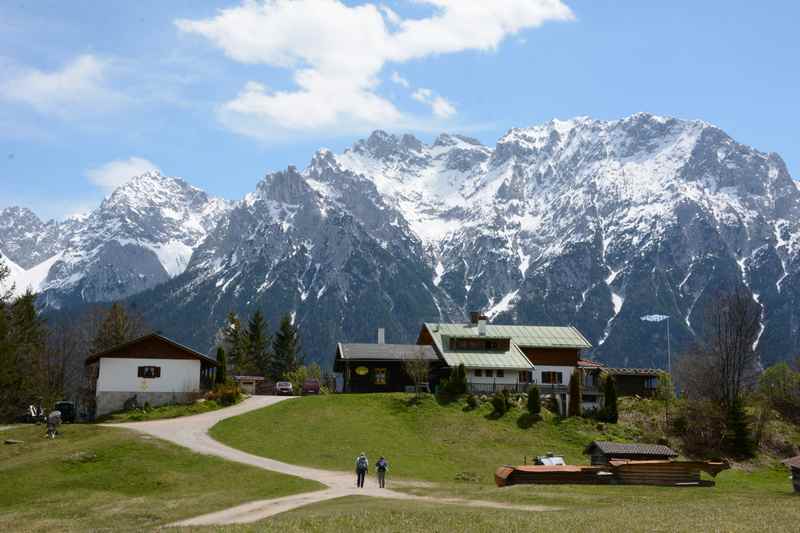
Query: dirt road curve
192	432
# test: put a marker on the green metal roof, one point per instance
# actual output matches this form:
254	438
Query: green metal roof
529	336
512	359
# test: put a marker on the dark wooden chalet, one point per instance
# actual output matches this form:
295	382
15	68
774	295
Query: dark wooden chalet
378	367
603	452
635	381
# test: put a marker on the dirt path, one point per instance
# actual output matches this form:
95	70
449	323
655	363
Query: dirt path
192	432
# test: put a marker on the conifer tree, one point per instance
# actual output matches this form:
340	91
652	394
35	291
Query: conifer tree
23	337
534	400
575	396
285	349
221	375
740	440
236	343
610	410
258	356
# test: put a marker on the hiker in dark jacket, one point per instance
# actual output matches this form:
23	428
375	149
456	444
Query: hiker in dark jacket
362	465
380	468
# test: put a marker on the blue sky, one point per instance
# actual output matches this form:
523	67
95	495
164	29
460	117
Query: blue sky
221	93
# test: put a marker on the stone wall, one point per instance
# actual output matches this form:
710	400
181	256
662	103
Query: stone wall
110	402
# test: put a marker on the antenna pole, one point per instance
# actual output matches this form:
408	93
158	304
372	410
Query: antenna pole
669	353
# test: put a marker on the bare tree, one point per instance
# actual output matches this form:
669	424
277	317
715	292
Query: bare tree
418	368
724	362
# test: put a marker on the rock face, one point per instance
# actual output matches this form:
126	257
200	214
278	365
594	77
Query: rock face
140	236
584	222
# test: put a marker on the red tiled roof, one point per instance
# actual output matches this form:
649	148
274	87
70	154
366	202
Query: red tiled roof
588	363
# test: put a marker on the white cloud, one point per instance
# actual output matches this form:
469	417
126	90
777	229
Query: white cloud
337	52
115	173
399	80
79	86
439	105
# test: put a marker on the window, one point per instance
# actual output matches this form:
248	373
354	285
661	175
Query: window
478	345
478	372
551	378
380	376
501	373
651	383
149	372
489	373
524	376
589	398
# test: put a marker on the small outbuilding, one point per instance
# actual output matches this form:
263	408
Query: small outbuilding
152	369
794	466
249	384
603	452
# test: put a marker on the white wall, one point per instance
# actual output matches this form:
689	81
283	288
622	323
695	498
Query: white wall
510	376
119	374
566	373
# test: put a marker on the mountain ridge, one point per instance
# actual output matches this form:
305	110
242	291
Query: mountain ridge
585	222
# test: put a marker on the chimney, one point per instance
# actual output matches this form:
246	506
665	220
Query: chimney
381	336
474	316
482	326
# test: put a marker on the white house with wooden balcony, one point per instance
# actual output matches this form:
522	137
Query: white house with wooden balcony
500	357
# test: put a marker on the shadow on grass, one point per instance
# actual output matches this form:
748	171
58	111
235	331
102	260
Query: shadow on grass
527	420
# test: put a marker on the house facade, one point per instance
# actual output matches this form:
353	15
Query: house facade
379	367
496	357
513	357
151	369
635	381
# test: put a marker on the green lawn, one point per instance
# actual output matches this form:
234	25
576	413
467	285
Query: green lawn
93	478
652	514
459	450
426	441
162	412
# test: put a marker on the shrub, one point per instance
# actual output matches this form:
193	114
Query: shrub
472	401
500	403
507	397
780	386
534	401
701	426
224	394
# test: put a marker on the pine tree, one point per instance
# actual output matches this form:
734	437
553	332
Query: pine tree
222	370
236	343
258	356
741	442
23	339
534	400
575	396
610	410
285	350
116	328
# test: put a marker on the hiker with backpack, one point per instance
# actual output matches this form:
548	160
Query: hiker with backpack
380	469
362	465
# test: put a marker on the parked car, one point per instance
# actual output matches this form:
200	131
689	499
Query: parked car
311	386
68	411
284	388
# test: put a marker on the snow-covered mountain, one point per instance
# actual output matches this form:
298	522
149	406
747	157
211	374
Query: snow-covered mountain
585	222
140	236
